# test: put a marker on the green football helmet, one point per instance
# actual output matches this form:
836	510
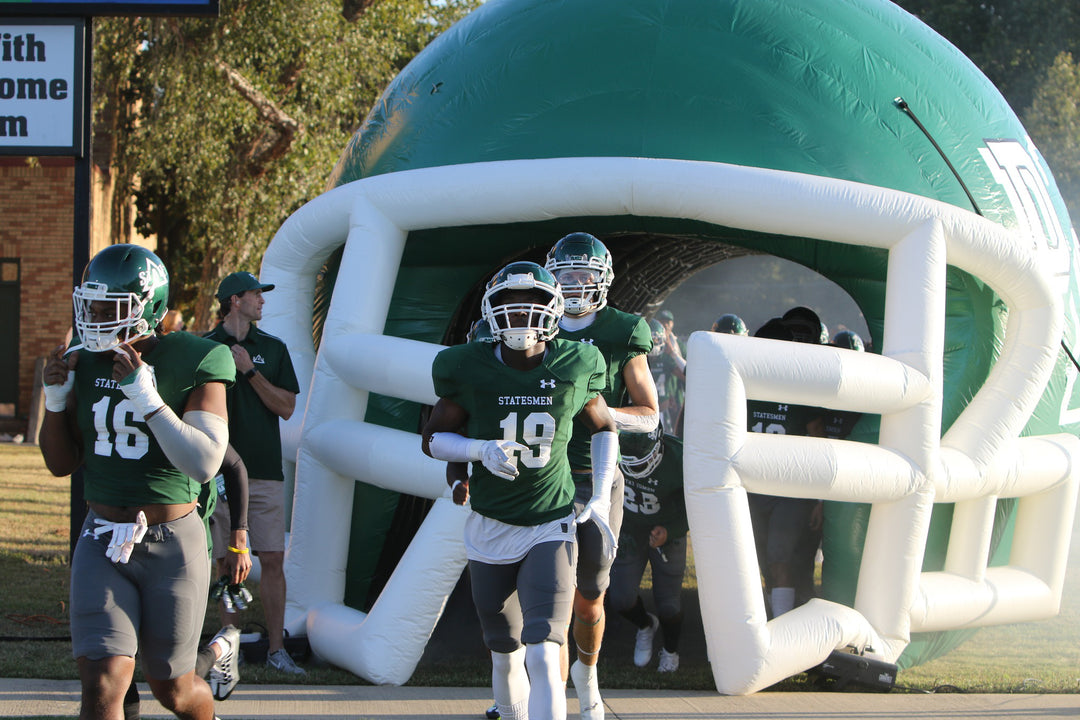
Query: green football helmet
659	335
582	265
730	324
134	284
848	339
479	332
540	312
641	453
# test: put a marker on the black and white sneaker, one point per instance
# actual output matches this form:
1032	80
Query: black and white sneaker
225	672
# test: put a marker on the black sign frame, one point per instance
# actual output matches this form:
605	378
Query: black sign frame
103	8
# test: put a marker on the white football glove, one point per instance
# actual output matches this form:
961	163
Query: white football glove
598	510
498	456
125	536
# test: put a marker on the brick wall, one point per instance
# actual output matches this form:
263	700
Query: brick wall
36	226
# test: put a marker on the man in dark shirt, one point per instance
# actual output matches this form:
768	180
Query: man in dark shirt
265	391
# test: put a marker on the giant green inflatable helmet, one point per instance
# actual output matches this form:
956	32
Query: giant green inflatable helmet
851	102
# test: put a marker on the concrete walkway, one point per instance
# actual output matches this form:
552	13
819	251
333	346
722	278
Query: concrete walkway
33	698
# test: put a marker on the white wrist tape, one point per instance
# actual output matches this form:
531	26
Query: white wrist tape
140	387
56	395
626	422
605	454
680	363
452	447
195	445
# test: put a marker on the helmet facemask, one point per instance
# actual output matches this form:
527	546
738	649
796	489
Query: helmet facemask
522	323
641	453
128	321
582	265
584	284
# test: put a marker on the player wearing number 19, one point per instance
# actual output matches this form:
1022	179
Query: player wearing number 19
509	407
144	415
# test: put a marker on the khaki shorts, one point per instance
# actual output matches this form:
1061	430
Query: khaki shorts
266	519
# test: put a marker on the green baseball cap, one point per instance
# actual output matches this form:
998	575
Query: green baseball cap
239	283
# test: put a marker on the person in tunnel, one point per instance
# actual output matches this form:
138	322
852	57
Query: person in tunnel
653	533
583	267
781	524
509	408
668	367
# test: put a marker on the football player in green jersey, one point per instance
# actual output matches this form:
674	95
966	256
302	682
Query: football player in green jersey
582	265
653	533
781	523
509	407
144	416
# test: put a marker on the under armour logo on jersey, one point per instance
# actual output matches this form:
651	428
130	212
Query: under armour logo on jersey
547	384
781	408
258	359
588	341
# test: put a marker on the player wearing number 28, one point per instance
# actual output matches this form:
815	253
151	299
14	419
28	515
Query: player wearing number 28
144	415
509	408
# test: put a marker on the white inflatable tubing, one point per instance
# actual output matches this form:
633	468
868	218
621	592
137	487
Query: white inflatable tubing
400	623
372	217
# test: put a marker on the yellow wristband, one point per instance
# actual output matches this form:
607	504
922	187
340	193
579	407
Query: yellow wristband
245	551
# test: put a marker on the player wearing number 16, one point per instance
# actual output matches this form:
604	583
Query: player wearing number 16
509	408
144	415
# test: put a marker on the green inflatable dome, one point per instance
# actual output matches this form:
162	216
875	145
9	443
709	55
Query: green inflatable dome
853	90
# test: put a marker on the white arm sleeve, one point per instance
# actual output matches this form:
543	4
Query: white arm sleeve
195	445
452	447
605	453
626	422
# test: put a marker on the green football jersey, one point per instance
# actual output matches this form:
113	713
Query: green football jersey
658	499
619	337
780	418
536	408
123	463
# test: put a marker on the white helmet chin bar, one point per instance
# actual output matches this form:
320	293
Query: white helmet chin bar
104	336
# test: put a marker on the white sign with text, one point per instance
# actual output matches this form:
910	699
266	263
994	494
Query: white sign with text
39	79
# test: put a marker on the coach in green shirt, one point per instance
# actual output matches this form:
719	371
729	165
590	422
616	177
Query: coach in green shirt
265	391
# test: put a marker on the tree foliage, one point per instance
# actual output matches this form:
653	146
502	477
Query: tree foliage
221	128
1054	119
1025	47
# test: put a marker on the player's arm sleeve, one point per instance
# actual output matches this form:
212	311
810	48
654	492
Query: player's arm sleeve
196	444
236	488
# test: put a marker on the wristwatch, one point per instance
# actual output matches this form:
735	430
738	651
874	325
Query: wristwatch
250	373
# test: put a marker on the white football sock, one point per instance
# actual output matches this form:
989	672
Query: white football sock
588	690
510	684
548	696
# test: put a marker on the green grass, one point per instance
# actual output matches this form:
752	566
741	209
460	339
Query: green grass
34	633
